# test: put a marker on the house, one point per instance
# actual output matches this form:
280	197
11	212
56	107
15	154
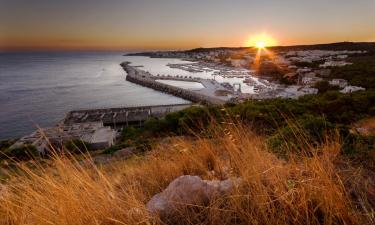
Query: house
309	90
238	62
303	70
350	89
323	72
334	64
310	79
339	82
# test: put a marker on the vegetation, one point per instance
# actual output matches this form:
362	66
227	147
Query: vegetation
131	136
274	117
324	86
314	65
25	152
6	144
360	73
320	187
299	162
77	146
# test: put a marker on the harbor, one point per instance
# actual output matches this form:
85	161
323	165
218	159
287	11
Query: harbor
212	93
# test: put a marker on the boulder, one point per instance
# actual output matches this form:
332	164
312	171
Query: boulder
188	190
124	153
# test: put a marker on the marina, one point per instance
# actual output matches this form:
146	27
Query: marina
213	93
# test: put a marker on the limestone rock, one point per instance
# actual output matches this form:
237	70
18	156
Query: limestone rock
188	190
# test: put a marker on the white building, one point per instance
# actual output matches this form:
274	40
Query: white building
238	62
334	64
303	70
94	133
309	90
310	79
350	89
339	82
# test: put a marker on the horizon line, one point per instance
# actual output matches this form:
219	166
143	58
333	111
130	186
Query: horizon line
67	49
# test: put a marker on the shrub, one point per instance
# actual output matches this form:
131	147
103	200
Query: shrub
115	148
24	152
360	73
297	135
77	146
130	133
324	86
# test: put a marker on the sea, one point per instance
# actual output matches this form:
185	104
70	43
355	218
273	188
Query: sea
37	89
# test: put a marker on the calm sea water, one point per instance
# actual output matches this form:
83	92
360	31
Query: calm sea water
40	88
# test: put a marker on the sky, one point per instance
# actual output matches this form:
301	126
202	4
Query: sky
179	24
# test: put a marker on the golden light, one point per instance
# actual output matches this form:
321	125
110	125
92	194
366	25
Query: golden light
260	41
260	44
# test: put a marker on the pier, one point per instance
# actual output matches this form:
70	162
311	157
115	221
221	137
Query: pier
213	92
120	117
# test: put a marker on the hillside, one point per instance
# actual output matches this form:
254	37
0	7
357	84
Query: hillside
338	46
315	186
270	162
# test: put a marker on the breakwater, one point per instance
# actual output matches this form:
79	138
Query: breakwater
144	78
121	116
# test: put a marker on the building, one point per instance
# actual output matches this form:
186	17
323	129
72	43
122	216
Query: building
350	89
238	62
310	79
339	82
303	70
95	134
334	64
309	90
323	72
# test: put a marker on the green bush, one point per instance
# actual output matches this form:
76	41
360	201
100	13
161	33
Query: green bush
24	152
115	148
6	144
324	86
360	73
298	135
130	133
313	113
77	146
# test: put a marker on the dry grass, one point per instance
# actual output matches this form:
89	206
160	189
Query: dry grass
366	126
319	189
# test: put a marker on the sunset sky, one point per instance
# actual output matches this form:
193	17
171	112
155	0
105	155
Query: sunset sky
179	24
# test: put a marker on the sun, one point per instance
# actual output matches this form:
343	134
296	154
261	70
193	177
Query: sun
260	41
260	44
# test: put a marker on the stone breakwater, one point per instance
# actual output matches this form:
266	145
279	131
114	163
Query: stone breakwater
206	96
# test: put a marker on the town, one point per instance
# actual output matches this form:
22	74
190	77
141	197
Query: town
263	73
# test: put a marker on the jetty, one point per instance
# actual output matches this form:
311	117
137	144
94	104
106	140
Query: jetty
213	92
121	117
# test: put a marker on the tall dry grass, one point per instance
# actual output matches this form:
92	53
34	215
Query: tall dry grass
316	188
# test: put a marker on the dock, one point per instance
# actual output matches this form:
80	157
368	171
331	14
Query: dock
120	117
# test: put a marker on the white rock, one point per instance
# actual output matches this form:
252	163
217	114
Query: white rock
188	190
